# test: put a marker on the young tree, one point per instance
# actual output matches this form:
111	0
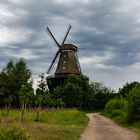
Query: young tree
39	102
7	102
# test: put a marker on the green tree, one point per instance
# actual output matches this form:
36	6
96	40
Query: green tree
39	103
101	93
124	91
25	98
12	77
134	104
75	93
6	81
22	76
7	102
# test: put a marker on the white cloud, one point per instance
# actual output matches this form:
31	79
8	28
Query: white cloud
24	53
4	11
96	59
19	2
72	1
16	35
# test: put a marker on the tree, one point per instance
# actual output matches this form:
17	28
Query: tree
1	96
124	91
12	77
75	93
22	76
101	94
25	98
72	95
7	102
39	102
133	99
6	81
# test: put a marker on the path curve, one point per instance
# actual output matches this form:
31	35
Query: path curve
101	128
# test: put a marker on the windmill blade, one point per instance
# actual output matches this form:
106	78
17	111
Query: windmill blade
66	34
52	62
48	30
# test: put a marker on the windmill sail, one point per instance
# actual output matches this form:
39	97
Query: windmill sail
52	62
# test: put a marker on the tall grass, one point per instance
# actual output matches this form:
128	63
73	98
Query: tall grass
13	133
64	124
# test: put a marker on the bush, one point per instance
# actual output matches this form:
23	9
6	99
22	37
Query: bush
134	104
116	103
117	109
14	133
119	115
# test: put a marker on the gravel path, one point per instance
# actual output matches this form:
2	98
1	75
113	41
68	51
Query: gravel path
101	128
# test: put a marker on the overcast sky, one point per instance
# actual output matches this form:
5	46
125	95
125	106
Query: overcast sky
107	31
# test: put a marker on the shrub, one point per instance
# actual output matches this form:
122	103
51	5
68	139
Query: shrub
134	104
117	108
119	115
14	133
116	103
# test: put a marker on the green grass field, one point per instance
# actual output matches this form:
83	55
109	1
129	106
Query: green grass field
64	124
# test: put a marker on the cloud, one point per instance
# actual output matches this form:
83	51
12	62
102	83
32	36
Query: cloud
109	32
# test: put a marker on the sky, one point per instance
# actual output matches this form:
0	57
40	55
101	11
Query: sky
107	33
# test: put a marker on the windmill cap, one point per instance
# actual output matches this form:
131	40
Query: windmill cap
68	47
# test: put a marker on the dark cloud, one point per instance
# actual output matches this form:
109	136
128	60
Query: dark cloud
106	32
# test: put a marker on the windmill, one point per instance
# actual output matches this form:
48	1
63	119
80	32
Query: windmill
68	62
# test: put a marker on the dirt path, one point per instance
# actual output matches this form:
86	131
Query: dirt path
101	128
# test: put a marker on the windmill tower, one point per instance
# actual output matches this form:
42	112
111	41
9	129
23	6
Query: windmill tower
68	62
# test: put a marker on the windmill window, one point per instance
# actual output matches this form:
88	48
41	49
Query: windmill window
64	68
64	62
65	56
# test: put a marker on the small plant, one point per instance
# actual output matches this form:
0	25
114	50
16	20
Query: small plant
14	133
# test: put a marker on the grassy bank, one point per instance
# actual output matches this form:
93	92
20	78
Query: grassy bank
66	124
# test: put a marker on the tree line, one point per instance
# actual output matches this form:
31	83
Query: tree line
16	90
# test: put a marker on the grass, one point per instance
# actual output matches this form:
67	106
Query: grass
64	124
